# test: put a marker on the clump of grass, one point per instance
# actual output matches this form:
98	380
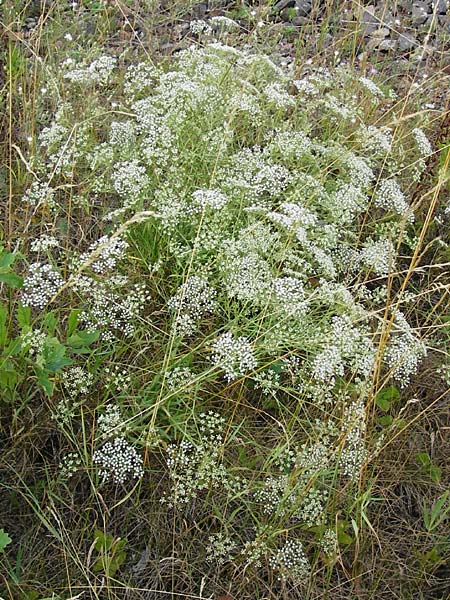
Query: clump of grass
209	325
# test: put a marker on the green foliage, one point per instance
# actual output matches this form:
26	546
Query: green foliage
7	275
4	540
438	513
428	467
112	553
386	397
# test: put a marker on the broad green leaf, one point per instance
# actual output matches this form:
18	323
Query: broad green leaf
424	459
4	540
82	339
73	320
23	314
11	279
42	376
50	322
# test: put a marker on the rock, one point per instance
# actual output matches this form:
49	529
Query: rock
282	4
406	41
300	21
387	45
440	6
381	33
419	13
303	7
368	20
287	14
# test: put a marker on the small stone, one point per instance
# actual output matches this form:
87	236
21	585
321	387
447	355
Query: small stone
388	45
282	4
303	7
441	6
406	41
381	33
419	12
368	20
300	21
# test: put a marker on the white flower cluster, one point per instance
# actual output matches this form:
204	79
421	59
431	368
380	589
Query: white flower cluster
289	146
330	543
234	355
179	378
118	461
312	508
40	285
130	181
40	194
404	351
122	135
117	379
69	465
194	467
371	86
247	276
98	72
290	562
199	26
33	341
220	549
374	140
140	78
389	196
278	97
111	310
208	199
289	294
423	143
378	255
346	202
267	381
111	421
195	299
353	431
43	243
103	254
77	381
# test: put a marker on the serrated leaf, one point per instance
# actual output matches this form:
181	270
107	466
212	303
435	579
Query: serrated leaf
4	540
6	258
82	339
11	279
50	322
23	314
42	377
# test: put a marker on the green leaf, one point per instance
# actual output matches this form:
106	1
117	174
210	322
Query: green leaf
435	473
50	322
6	259
23	314
424	459
386	420
82	339
4	540
53	355
42	377
73	320
386	396
3	328
11	279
